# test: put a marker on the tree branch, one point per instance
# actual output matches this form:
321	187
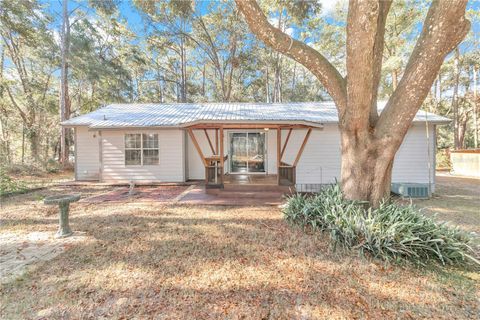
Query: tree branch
326	73
444	28
365	42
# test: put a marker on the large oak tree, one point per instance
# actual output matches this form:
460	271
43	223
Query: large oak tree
370	140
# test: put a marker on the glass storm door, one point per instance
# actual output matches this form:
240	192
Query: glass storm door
247	152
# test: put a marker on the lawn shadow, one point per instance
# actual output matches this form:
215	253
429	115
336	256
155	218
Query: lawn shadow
191	262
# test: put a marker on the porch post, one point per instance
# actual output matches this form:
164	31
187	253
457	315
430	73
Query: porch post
222	154
216	141
279	153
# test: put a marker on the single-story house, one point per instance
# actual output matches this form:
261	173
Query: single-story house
296	144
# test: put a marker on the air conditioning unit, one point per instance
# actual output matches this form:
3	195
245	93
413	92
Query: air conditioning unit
412	190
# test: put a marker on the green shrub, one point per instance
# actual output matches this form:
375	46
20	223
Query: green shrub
391	232
9	185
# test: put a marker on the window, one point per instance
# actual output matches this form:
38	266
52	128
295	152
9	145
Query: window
141	149
150	148
133	149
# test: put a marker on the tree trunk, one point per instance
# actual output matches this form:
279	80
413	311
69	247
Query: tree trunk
440	88
394	79
366	167
203	81
183	71
5	140
23	143
159	87
435	96
294	79
456	141
64	98
267	86
462	129
475	109
33	138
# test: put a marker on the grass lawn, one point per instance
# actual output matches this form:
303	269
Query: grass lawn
456	200
157	261
27	182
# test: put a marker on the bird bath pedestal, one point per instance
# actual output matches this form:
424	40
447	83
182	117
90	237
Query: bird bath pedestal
63	202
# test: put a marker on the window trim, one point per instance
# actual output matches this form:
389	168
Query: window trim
141	149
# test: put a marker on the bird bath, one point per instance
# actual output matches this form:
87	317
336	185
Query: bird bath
63	202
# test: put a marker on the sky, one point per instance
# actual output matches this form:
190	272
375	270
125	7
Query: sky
130	14
134	20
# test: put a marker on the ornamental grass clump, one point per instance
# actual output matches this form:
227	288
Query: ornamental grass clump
391	232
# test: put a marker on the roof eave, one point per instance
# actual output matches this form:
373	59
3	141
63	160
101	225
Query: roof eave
259	122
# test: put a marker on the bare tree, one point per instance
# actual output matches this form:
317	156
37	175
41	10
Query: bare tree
370	140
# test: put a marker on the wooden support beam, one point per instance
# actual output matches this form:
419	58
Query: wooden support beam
209	141
197	146
285	145
246	126
279	153
216	141
302	147
222	152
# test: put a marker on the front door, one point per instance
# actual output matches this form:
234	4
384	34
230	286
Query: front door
247	152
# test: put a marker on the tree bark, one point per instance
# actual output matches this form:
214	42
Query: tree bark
267	86
203	81
475	107
4	139
366	167
34	140
370	141
64	97
462	129
456	76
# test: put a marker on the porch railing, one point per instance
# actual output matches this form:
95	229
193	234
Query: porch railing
286	174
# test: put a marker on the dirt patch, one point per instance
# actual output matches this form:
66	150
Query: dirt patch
21	251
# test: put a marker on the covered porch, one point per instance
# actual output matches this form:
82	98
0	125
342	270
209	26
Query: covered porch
238	153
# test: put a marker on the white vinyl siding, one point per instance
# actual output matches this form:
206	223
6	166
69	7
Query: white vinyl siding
87	161
196	169
272	151
412	159
321	160
170	166
319	164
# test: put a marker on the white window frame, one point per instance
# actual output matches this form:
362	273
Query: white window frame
141	149
157	148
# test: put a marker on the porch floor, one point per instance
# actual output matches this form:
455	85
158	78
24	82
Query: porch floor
250	179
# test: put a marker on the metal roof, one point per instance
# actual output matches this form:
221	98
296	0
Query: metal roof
183	114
